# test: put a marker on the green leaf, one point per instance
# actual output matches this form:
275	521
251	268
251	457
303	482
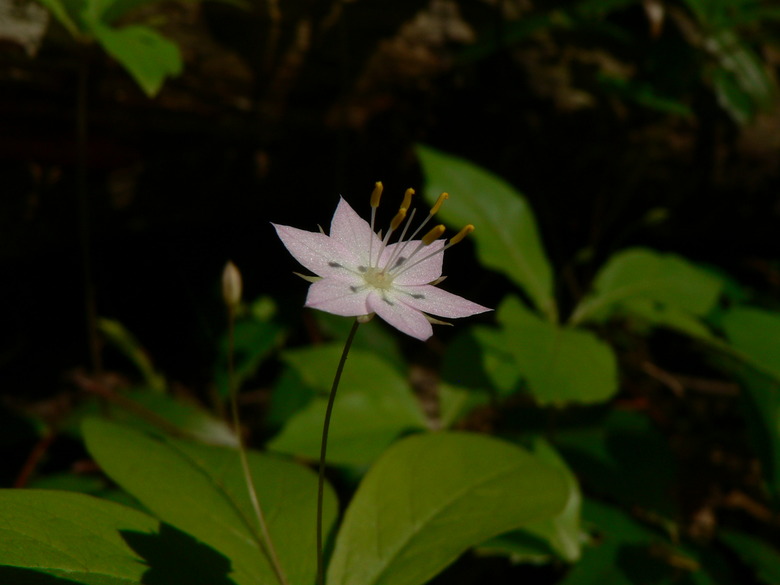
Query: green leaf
431	497
201	490
150	411
758	554
374	405
560	535
72	536
129	346
66	14
479	358
506	236
642	274
756	334
147	56
560	364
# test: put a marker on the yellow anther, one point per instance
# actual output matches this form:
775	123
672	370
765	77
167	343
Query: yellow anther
439	202
376	194
461	234
432	235
407	199
398	219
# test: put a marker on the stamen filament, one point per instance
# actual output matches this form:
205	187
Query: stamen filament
457	238
402	244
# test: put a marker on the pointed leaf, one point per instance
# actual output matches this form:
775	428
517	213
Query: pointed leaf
638	273
506	235
145	54
374	405
72	536
431	497
201	490
560	364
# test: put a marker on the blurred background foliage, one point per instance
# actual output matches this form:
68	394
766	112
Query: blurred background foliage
620	158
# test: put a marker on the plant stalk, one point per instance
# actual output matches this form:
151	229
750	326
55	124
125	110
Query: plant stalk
324	449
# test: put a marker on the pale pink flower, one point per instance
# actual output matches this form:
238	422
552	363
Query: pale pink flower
360	273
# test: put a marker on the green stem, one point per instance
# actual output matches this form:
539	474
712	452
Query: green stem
266	543
324	448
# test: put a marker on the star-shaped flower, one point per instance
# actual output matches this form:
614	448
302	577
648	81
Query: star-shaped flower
360	273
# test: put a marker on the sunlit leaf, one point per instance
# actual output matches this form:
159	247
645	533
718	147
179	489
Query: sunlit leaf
148	56
374	405
559	364
431	497
639	273
506	235
201	490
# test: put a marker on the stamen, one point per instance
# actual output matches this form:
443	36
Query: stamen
439	202
433	235
407	198
398	219
376	194
460	235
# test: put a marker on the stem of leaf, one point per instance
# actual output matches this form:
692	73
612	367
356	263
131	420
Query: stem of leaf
265	540
324	449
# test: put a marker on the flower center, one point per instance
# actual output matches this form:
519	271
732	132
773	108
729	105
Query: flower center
377	278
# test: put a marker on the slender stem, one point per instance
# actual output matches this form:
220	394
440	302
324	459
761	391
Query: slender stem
266	542
324	448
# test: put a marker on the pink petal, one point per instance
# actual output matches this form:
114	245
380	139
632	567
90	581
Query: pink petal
422	273
334	296
319	253
435	301
354	233
401	316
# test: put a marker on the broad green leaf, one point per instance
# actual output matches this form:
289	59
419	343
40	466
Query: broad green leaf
148	56
157	413
756	334
559	364
560	535
506	236
72	536
758	554
374	405
201	490
479	359
650	314
639	273
431	497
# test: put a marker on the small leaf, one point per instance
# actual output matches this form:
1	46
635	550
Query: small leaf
431	497
560	364
129	346
72	536
506	235
758	554
148	56
201	490
756	334
373	406
639	273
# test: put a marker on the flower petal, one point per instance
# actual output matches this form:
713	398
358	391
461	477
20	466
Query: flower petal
399	315
426	271
335	296
436	301
319	253
354	232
